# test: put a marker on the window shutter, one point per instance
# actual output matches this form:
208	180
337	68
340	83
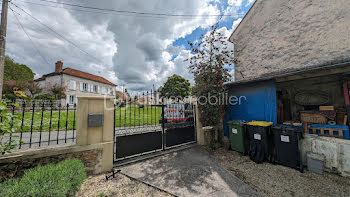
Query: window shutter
74	85
81	86
67	99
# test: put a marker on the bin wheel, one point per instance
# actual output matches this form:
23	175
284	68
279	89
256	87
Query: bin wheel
301	168
273	160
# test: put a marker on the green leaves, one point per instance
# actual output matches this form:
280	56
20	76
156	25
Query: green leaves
62	179
17	72
208	64
176	87
7	128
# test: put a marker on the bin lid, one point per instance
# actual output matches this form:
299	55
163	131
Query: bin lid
235	122
260	123
287	127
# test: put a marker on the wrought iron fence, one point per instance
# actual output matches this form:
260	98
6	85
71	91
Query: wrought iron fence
41	123
149	123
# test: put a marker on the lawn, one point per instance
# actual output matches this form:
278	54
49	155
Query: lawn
135	116
125	117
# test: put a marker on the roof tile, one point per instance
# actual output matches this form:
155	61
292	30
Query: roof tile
85	75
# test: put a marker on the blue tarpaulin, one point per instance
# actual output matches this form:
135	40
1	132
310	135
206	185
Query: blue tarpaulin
253	101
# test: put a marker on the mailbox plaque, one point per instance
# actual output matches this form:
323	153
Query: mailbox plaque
95	120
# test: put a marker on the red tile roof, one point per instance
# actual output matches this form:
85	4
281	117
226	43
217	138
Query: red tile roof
78	73
123	96
145	99
85	75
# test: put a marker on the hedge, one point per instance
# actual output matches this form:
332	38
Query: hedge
44	97
62	179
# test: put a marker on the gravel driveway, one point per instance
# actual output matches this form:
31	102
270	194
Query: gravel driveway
276	180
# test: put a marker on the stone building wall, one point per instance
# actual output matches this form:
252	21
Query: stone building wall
281	35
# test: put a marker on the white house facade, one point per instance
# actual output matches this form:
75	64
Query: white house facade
76	83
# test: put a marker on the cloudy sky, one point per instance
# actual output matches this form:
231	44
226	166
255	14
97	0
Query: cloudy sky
131	50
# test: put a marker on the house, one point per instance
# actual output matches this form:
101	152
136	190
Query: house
76	83
293	57
122	96
146	100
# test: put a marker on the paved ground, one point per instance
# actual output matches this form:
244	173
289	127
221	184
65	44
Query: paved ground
97	186
34	138
190	172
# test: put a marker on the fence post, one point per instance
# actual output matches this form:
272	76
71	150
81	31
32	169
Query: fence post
199	132
99	134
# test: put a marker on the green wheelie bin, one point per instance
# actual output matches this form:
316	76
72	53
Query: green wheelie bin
237	135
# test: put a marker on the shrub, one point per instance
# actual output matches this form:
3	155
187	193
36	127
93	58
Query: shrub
45	97
9	96
62	179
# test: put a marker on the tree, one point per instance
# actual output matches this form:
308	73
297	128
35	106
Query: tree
208	63
11	85
58	91
176	87
34	88
17	72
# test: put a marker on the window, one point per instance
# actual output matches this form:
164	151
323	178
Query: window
70	99
95	89
72	85
83	86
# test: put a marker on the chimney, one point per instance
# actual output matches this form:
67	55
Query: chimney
59	67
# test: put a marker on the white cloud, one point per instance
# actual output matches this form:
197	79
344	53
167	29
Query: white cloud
236	23
250	2
97	41
133	50
235	2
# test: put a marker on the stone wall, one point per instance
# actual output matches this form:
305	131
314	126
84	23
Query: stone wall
281	35
94	145
336	152
14	165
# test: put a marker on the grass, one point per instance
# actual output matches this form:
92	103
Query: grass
135	116
62	179
125	117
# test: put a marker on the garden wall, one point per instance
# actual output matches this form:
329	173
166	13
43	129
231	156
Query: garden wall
336	152
94	145
14	164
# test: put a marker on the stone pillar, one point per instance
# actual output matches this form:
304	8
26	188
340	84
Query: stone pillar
102	135
200	134
204	134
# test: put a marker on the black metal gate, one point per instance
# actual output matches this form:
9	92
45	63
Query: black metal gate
146	126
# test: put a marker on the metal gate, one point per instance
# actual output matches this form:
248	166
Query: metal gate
145	126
